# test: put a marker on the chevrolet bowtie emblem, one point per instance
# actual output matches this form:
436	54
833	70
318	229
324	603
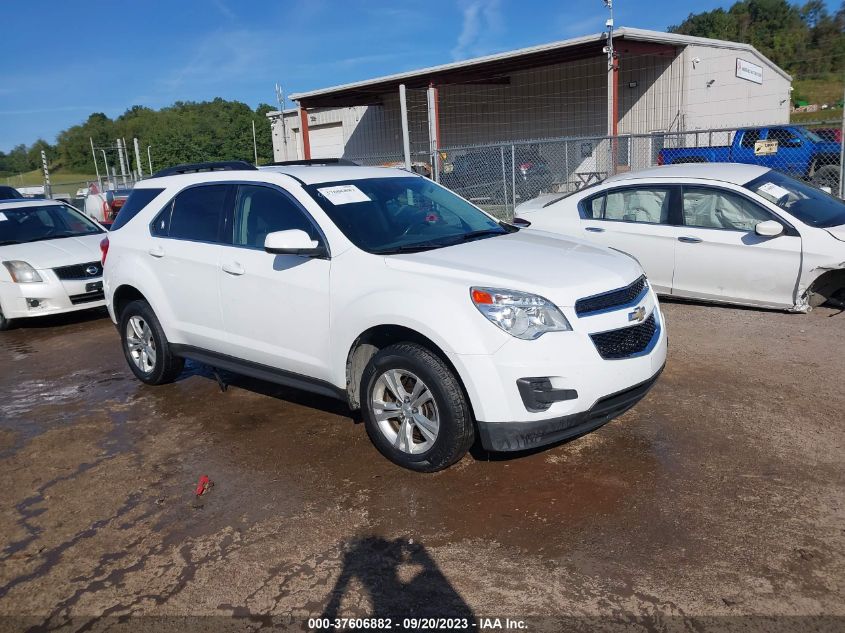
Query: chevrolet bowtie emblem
637	315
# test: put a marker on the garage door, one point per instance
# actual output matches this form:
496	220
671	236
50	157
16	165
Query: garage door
326	140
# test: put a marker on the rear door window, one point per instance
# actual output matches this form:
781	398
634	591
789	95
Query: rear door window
647	205
197	214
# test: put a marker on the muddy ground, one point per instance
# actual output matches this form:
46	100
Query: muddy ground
721	494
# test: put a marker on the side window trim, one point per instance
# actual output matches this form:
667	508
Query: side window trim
232	209
788	228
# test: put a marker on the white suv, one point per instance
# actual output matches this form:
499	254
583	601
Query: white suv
388	291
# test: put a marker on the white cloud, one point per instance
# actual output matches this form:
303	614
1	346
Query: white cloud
481	20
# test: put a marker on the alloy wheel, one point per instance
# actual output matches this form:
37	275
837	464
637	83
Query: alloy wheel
405	411
140	344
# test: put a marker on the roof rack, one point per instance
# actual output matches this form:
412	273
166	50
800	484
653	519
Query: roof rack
193	168
313	161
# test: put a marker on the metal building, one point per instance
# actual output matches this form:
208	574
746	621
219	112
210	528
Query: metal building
660	82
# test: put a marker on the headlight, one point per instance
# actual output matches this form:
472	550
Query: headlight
21	272
520	314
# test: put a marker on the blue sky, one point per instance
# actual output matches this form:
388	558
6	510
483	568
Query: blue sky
70	58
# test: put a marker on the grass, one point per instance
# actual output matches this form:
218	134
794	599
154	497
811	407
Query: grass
62	182
829	118
820	90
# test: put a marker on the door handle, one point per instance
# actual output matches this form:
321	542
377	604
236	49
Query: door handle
156	251
594	229
690	240
234	268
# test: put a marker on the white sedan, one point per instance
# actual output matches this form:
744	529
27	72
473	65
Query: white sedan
726	233
50	256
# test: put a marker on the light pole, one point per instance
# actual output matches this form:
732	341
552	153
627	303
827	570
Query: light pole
150	159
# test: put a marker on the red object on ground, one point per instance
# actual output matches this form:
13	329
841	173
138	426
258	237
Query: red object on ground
203	485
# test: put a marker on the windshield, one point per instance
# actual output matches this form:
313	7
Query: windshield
813	136
399	215
46	222
810	205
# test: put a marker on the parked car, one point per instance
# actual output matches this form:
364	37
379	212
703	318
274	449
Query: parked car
50	260
790	149
481	176
728	233
389	292
9	193
833	134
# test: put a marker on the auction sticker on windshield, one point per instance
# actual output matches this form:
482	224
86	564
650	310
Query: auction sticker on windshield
776	192
343	194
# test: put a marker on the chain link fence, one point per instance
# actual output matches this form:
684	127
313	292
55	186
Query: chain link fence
499	177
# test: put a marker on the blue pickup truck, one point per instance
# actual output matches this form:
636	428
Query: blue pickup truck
794	150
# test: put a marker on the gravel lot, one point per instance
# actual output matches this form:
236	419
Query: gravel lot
722	494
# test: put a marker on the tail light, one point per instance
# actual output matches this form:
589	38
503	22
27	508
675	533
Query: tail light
660	158
524	167
104	250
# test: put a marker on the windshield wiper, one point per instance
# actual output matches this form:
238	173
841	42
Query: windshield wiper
409	248
7	242
472	235
55	236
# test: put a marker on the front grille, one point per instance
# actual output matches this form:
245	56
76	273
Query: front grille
87	297
626	341
612	299
79	271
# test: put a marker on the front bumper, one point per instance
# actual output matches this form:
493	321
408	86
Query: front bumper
573	388
518	436
53	295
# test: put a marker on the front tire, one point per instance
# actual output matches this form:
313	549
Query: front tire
415	410
827	176
145	346
5	324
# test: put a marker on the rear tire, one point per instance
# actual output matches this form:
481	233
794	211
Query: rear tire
429	425
145	346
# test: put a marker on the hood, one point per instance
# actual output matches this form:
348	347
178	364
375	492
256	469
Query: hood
561	270
537	203
837	231
53	253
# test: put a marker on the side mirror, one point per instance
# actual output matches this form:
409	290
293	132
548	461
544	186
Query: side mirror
293	242
521	223
769	228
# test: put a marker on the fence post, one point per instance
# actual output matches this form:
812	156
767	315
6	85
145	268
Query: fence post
504	176
406	141
434	142
513	181
842	156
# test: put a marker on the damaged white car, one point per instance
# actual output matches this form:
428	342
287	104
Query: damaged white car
726	233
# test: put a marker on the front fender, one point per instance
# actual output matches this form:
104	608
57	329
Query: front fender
447	318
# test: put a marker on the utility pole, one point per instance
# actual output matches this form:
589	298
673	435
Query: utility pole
254	144
138	158
108	175
280	97
612	70
96	166
47	188
150	159
120	151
